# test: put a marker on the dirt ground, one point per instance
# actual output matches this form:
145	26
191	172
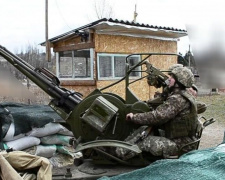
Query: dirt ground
212	135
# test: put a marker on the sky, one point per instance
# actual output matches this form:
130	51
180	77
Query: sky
23	21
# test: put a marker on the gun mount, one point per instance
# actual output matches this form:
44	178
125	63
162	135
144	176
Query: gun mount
98	120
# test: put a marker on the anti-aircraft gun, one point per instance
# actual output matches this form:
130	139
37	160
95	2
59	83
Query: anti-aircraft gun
98	120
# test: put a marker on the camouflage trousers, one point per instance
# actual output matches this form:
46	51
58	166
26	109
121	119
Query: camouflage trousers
156	145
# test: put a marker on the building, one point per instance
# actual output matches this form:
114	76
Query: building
93	56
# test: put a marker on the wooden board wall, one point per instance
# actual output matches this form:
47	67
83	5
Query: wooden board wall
128	45
67	42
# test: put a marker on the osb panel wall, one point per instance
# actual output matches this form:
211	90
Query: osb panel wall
140	88
127	45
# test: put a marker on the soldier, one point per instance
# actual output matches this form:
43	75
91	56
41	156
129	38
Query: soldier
176	120
160	97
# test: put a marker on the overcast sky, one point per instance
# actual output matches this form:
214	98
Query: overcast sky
22	22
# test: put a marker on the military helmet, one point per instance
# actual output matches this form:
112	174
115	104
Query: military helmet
184	76
174	66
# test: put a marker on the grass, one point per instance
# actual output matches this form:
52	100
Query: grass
215	106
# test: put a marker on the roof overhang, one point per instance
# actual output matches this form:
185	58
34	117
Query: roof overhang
125	28
128	30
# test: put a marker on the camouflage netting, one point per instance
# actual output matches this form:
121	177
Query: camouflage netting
37	130
208	164
26	117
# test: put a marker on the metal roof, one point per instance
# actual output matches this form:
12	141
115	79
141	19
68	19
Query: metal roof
115	26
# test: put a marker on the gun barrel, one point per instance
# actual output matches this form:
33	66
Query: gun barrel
63	98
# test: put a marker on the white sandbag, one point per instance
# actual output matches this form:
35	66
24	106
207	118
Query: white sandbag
14	138
56	139
48	129
23	143
66	132
45	151
10	134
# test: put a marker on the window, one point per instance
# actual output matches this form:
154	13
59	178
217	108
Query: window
75	64
112	66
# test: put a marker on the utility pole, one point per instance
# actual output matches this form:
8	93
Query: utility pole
135	14
48	53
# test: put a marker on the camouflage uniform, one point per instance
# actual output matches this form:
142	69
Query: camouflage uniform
167	118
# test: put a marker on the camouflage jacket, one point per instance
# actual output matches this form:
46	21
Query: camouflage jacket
175	106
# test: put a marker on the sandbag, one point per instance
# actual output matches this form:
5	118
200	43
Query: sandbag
48	129
65	132
10	135
23	143
45	151
56	139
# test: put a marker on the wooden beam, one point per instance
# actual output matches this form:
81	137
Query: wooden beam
90	38
87	45
67	38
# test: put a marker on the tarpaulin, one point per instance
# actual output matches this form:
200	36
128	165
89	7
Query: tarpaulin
207	164
21	161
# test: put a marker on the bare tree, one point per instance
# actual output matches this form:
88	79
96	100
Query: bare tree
31	55
103	9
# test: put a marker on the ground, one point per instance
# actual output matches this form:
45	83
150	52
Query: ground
213	134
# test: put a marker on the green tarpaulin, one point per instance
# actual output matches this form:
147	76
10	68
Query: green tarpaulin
208	164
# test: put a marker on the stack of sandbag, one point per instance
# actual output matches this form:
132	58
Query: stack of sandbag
36	130
47	139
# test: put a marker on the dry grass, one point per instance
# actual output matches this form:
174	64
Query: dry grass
213	134
216	106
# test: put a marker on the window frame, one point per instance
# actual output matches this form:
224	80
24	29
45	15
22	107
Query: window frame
112	66
71	78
